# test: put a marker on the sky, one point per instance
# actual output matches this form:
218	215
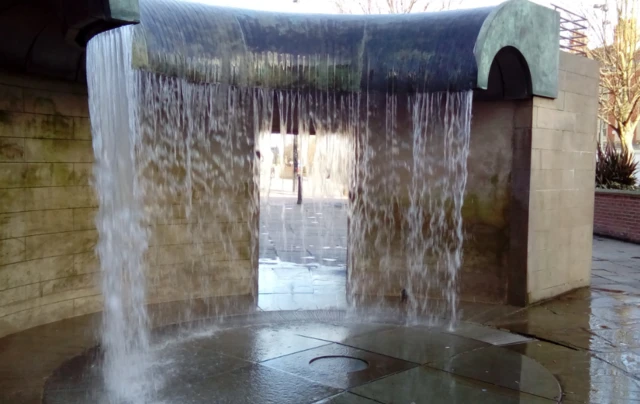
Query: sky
326	6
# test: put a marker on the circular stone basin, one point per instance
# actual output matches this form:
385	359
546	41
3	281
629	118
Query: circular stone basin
338	363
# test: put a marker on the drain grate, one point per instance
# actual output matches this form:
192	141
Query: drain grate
346	364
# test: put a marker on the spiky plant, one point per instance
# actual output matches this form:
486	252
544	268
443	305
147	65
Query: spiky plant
614	169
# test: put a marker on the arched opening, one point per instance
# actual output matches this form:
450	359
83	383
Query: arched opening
509	77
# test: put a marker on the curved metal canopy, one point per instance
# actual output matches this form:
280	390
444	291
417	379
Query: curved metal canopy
443	51
452	50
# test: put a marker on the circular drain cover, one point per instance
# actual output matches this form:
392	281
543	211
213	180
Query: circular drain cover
339	363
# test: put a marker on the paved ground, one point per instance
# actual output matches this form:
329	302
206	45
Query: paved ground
581	348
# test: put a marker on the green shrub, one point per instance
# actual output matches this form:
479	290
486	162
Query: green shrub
614	169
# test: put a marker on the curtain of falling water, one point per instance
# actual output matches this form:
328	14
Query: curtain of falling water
409	179
200	191
123	238
441	132
177	182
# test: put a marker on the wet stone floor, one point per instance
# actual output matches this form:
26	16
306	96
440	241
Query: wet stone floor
303	254
299	344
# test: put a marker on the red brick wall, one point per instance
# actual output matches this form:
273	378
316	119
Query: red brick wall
617	214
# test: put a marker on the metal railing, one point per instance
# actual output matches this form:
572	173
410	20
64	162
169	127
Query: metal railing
573	28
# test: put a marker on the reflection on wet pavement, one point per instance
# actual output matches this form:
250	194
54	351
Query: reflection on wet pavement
303	254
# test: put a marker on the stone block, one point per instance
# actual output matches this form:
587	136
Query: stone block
63	175
586	161
58	151
538	241
542	279
186	234
86	262
11	99
49	245
551	103
48	221
584	178
88	304
12	175
60	198
9	297
560	238
55	103
25	125
12	250
556	120
84	218
11	149
56	267
83	173
572	141
551	199
12	200
17	305
28	272
72	174
87	283
82	128
547	159
587	123
18	175
546	179
578	64
568	179
583	104
12	225
546	139
578	84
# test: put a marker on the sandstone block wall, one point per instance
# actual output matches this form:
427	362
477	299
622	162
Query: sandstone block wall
562	182
48	265
617	214
48	270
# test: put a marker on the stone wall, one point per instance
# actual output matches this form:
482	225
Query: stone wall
48	266
617	214
47	205
563	143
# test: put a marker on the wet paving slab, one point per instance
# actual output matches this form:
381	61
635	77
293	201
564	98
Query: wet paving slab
340	366
424	385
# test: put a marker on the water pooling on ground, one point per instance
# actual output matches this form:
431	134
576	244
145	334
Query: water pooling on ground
175	165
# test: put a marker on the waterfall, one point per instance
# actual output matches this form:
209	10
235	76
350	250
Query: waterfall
441	133
123	239
177	179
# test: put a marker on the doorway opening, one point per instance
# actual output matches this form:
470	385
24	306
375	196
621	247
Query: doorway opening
303	221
